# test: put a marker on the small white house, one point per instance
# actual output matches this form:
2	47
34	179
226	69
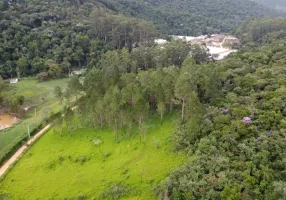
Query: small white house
14	80
78	72
161	41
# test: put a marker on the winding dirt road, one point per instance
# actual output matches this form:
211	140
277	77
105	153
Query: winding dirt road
20	151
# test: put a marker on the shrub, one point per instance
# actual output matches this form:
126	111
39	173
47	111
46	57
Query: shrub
43	76
115	191
81	197
82	159
107	154
4	196
60	159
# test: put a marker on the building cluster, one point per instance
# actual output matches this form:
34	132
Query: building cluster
215	40
218	46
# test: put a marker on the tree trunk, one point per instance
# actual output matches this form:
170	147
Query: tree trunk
115	129
130	129
93	124
101	122
69	71
139	124
183	110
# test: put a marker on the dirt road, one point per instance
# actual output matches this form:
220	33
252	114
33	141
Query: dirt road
4	168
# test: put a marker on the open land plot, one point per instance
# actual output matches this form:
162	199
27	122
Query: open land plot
72	166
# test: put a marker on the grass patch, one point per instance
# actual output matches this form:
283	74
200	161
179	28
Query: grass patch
39	96
73	166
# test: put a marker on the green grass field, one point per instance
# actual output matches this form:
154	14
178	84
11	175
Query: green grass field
39	95
72	166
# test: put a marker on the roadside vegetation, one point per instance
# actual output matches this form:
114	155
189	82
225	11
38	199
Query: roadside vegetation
41	101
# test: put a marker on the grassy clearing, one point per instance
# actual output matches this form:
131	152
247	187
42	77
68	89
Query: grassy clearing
72	165
37	95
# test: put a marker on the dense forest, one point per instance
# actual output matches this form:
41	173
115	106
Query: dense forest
260	31
239	137
278	4
193	17
50	38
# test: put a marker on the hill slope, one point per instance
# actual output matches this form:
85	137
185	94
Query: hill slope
37	36
67	32
193	17
278	4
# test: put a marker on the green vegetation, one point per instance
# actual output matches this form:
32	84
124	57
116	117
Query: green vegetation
40	99
261	31
231	126
52	38
70	166
278	4
239	138
232	118
229	115
192	17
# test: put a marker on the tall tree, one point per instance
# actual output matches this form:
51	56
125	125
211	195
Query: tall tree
74	87
112	100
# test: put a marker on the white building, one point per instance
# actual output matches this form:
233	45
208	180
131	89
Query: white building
14	80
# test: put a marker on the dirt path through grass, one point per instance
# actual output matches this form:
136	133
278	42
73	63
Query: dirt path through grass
20	151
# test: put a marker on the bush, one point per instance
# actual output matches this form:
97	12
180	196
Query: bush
81	197
116	191
43	76
82	159
107	154
181	139
61	159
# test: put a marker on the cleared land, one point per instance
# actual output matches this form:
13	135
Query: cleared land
73	166
37	95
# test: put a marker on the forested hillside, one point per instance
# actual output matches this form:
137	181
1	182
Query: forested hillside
278	4
193	17
239	137
224	120
48	38
261	30
232	117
